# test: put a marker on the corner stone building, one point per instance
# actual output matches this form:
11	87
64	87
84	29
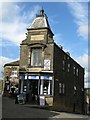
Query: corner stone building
47	72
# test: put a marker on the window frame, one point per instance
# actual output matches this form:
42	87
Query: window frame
49	88
68	68
63	64
74	70
32	64
61	88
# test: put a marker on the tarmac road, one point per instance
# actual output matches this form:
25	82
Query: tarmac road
12	110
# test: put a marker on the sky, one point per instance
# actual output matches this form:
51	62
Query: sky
68	21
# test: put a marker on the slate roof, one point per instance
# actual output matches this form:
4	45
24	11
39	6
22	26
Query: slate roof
14	63
41	21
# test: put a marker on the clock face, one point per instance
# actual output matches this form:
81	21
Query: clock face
46	64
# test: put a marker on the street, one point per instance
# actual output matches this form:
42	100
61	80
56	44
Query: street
12	110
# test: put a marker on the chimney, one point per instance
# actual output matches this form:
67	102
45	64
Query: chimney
68	53
60	46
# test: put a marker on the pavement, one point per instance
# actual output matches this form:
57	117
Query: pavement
58	114
69	115
12	110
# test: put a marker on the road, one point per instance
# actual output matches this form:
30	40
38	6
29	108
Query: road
12	110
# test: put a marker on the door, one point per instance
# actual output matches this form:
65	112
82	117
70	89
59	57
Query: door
33	91
34	87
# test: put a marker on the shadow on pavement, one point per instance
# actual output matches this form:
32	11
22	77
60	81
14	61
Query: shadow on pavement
10	110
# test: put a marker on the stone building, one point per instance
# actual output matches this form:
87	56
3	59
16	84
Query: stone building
11	79
47	74
1	86
87	101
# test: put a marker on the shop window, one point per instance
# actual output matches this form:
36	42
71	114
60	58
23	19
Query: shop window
36	57
46	87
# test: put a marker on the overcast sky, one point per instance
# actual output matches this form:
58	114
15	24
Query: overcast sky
68	21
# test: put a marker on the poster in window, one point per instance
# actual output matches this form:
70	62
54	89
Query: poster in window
46	64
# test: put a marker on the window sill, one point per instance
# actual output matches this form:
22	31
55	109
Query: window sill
35	66
46	95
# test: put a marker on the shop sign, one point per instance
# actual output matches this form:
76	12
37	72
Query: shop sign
42	100
46	78
33	77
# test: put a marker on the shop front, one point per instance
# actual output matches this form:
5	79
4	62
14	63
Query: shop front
37	87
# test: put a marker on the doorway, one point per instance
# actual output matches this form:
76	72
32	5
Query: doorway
33	91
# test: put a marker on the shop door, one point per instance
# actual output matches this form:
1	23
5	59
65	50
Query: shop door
33	93
34	87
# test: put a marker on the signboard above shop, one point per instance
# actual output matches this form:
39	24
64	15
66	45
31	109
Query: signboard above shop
33	77
46	77
29	77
